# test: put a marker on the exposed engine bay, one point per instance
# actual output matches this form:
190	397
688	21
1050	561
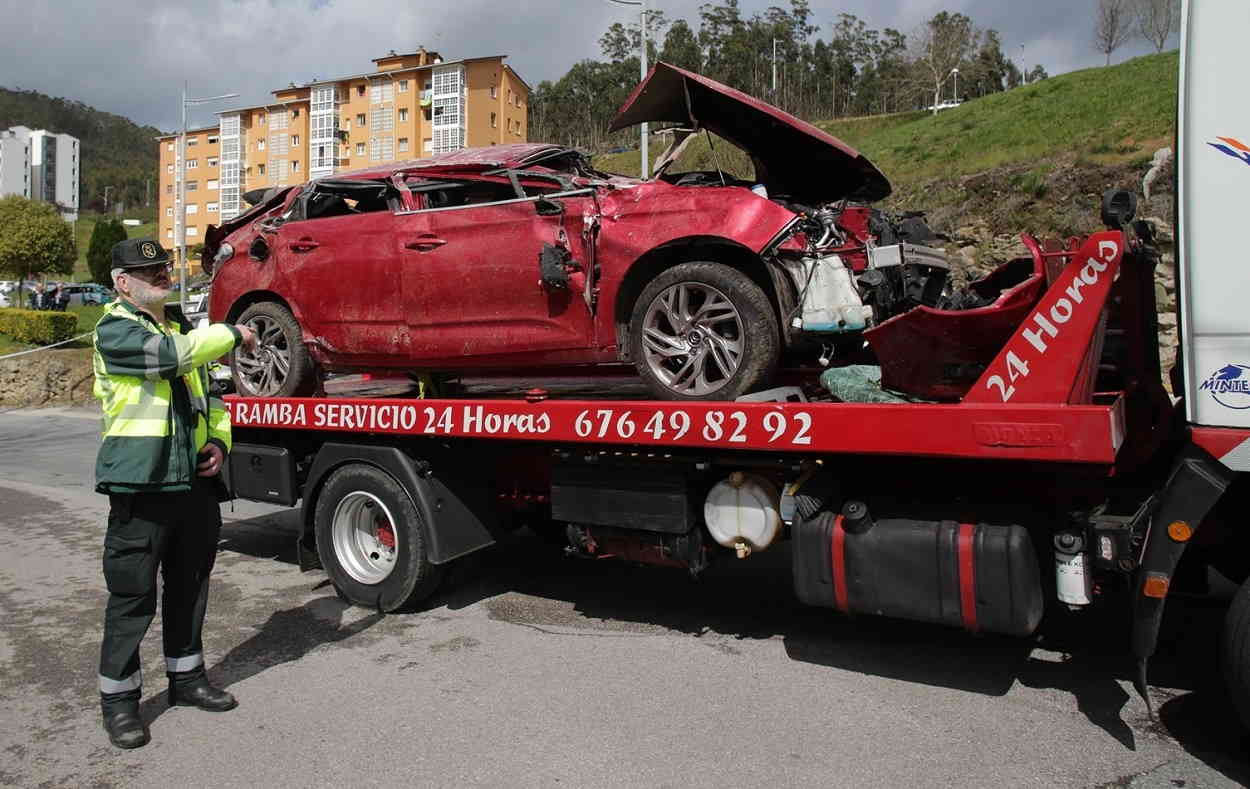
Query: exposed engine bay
854	267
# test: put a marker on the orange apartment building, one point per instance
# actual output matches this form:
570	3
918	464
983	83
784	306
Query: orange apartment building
410	106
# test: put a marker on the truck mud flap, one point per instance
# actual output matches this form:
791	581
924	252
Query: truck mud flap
975	576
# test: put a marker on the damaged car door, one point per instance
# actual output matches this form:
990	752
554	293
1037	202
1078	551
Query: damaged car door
475	279
337	254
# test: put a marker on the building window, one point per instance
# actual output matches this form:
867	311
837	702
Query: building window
360	149
381	92
169	168
169	147
193	231
192	141
295	165
403	144
211	208
169	189
260	144
260	119
169	211
403	86
192	186
494	92
211	186
360	90
347	124
360	119
193	209
260	169
295	112
192	164
295	139
493	124
169	233
403	114
212	161
212	139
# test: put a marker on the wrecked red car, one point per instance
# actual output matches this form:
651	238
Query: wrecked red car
525	258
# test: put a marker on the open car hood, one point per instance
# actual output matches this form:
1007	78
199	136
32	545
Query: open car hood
792	157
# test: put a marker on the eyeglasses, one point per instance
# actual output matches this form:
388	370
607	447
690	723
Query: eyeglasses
145	272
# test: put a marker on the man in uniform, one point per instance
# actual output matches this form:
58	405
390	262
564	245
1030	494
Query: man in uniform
164	444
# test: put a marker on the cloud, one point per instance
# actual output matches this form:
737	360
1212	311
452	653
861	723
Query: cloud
132	58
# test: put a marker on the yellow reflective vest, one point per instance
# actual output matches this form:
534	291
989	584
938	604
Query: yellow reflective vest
152	381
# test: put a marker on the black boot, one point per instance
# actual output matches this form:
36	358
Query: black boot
122	723
198	693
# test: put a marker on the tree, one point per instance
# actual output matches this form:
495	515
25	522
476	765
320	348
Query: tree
1037	74
940	46
681	48
34	240
1156	19
107	233
1112	22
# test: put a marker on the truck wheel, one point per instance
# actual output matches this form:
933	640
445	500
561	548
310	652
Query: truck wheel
371	540
1237	652
280	366
703	331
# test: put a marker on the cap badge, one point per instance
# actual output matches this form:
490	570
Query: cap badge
148	250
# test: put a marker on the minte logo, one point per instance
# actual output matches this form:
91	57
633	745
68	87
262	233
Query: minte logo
1233	147
1229	386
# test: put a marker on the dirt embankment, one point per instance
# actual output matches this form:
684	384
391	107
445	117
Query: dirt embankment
46	378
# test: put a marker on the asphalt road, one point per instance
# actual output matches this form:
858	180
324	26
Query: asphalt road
536	670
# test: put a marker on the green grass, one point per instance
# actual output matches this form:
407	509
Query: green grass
82	237
1121	113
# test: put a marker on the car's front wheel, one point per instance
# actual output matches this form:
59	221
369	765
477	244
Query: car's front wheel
703	331
279	366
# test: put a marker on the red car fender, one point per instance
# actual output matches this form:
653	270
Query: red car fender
636	221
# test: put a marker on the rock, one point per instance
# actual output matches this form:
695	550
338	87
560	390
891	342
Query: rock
969	254
1163	229
55	377
1167	320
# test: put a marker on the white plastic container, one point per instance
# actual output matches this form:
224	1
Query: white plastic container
831	302
742	512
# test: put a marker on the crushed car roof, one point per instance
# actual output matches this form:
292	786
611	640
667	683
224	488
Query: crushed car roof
792	157
513	155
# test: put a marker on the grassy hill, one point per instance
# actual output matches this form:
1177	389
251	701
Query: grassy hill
1042	142
115	152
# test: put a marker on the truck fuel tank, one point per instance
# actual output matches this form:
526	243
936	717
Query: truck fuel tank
976	576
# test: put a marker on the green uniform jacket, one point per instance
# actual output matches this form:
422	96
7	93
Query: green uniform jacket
153	383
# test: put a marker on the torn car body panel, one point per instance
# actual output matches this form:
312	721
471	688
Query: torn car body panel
792	157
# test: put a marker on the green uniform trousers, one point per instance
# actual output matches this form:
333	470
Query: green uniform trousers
178	533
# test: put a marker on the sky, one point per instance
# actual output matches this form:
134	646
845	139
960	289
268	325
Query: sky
132	58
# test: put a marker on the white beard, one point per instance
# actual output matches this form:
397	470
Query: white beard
147	296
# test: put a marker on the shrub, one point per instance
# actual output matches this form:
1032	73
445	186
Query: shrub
37	327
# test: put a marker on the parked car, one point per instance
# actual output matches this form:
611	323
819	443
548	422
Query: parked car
88	293
525	258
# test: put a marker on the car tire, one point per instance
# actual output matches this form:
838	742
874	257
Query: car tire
703	331
371	540
280	366
1236	650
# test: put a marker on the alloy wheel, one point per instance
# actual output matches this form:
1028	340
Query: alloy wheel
692	338
265	368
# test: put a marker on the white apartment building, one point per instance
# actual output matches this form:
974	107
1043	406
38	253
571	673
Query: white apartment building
14	164
51	170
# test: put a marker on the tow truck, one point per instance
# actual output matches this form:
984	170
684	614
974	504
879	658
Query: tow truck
1066	472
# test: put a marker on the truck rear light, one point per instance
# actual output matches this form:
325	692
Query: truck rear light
1180	531
1156	585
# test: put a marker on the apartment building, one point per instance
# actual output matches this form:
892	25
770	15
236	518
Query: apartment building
410	106
14	164
203	185
50	171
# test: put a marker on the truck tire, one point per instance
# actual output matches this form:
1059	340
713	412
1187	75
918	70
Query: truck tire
703	331
280	366
371	540
1237	652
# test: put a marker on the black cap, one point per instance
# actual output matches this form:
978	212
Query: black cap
136	252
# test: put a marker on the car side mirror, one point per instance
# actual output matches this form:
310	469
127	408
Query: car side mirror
545	207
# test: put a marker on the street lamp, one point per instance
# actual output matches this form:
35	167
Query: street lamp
642	62
1024	75
182	191
955	74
